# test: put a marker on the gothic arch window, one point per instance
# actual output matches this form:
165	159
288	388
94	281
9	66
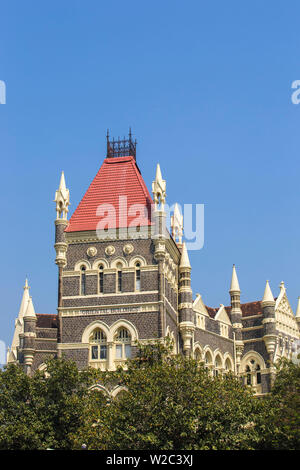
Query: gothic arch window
252	372
218	366
82	280
197	355
122	344
208	361
138	276
98	345
101	278
228	365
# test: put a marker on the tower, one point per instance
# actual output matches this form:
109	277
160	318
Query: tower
269	326
29	334
62	200
236	316
13	352
159	237
185	307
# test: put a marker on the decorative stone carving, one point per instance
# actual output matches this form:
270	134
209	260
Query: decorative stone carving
128	249
91	251
110	250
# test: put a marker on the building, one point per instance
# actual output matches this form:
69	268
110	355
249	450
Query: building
122	277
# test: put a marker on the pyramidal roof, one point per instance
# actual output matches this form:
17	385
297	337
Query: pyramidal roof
117	177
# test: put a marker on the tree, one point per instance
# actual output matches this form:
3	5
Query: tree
42	411
279	426
172	403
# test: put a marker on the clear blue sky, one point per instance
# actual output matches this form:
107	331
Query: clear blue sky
206	87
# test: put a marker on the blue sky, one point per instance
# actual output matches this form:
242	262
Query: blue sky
206	87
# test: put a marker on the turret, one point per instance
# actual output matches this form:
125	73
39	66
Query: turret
159	236
269	323
236	316
30	320
12	355
185	307
62	199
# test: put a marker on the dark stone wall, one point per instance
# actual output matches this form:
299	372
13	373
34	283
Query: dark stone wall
215	342
78	251
145	323
103	300
258	346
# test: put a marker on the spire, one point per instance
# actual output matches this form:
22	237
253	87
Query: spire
234	286
62	199
62	184
30	313
298	309
24	301
282	287
19	326
184	260
177	224
159	189
268	296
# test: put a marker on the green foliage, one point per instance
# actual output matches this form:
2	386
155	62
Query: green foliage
170	402
173	403
42	411
279	425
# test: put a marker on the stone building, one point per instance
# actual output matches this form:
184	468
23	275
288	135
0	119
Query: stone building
122	277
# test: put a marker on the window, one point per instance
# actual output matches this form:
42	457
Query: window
228	365
98	345
208	360
198	355
218	366
101	279
123	344
119	277
258	375
82	281
252	373
138	277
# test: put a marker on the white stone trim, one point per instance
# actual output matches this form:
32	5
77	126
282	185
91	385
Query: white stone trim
80	263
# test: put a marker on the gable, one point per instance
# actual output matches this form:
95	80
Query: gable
199	307
222	315
285	318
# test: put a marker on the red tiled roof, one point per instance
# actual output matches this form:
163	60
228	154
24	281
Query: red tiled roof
46	320
248	309
211	311
117	177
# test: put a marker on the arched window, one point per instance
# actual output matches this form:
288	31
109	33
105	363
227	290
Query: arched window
252	373
82	280
123	344
208	361
138	277
228	366
119	277
98	345
101	278
198	355
218	366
